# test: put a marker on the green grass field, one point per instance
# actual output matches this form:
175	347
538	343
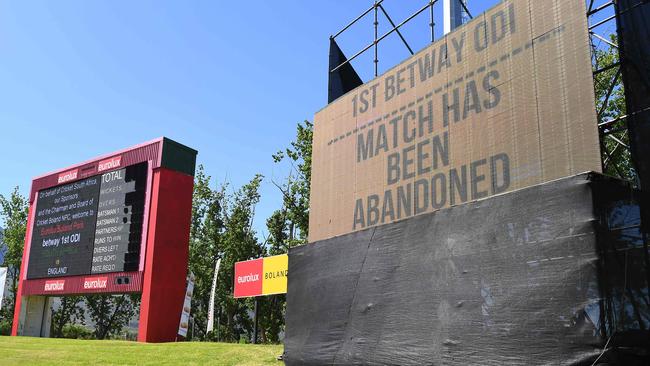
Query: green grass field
44	351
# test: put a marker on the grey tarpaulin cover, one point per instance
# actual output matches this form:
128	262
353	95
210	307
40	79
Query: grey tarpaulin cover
547	275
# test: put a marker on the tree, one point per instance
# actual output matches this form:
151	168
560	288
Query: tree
69	311
296	189
221	229
111	313
278	227
205	243
13	218
288	226
239	242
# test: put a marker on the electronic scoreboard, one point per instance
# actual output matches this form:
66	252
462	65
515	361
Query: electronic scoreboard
90	226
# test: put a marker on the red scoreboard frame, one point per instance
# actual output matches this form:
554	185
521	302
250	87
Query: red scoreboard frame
160	275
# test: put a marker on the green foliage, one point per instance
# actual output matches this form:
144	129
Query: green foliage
69	311
296	189
610	102
288	226
221	229
5	326
278	227
205	242
239	243
13	219
13	215
271	318
75	331
111	313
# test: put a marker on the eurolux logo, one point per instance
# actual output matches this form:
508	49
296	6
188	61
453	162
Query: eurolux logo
248	275
68	176
54	285
93	283
108	164
262	276
248	278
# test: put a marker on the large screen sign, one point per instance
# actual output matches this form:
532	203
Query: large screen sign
115	224
90	226
504	102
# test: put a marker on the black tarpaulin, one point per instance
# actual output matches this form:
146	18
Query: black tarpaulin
633	26
345	78
547	275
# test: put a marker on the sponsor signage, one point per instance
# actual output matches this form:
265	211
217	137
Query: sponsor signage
248	278
54	285
184	324
502	103
210	326
89	226
109	164
274	275
93	283
68	176
262	276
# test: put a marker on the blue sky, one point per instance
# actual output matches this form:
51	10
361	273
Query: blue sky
228	78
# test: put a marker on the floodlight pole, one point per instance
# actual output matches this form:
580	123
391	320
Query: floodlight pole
376	23
432	24
452	14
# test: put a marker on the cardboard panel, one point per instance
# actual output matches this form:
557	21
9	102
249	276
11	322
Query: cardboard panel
502	103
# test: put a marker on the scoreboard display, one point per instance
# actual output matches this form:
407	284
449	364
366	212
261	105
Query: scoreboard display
89	226
118	223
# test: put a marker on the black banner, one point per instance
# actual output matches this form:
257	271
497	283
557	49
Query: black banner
634	44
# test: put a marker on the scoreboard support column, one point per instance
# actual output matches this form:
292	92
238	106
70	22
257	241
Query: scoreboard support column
21	317
35	316
166	256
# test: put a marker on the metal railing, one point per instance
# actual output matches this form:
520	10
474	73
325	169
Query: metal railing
375	9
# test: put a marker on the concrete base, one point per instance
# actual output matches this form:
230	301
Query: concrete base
35	316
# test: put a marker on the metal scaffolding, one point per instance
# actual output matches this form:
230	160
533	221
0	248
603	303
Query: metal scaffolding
378	7
619	80
617	159
612	119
